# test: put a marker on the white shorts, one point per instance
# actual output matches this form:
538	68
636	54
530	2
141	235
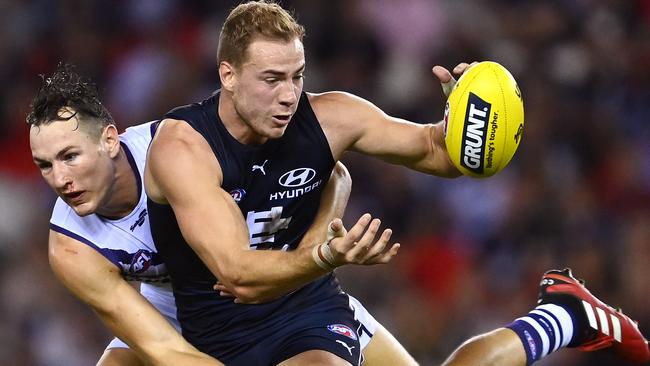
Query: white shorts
162	298
366	319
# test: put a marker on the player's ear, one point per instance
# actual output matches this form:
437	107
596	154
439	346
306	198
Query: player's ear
111	140
227	75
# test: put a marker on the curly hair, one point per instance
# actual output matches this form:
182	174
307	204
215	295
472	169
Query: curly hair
253	19
66	89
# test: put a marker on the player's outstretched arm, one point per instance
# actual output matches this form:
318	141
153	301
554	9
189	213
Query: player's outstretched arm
97	282
353	123
182	171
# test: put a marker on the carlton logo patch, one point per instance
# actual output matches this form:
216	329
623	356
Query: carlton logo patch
297	177
343	330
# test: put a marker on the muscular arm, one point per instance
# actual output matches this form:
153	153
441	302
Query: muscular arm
97	282
352	123
332	205
182	171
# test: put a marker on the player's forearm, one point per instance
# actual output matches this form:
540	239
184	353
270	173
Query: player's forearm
183	357
124	310
436	160
264	275
333	202
222	245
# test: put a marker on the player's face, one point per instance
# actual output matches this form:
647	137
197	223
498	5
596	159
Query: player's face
268	86
75	164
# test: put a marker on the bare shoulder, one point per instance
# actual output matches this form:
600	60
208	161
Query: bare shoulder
335	106
177	144
65	252
344	118
178	155
79	267
176	133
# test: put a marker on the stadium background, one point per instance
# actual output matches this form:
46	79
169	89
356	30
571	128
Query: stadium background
577	193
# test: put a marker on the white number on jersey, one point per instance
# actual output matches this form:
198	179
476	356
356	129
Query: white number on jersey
263	225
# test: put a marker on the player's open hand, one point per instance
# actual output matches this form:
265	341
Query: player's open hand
447	80
359	246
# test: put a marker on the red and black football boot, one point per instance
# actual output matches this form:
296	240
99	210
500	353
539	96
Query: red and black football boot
599	325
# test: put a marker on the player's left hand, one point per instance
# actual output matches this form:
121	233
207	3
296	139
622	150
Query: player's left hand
447	80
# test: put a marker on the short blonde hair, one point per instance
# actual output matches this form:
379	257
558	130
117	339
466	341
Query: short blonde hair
253	19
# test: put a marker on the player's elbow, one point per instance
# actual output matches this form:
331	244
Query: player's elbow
244	290
237	284
341	175
247	294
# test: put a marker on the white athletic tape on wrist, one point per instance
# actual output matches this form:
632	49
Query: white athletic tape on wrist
322	255
330	233
448	86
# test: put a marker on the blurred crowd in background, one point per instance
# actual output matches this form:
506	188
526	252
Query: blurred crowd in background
577	193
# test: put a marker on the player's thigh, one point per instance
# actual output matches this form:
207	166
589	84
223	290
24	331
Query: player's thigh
385	350
119	357
315	358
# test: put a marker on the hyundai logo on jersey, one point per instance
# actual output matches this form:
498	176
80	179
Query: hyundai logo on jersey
238	194
297	177
343	330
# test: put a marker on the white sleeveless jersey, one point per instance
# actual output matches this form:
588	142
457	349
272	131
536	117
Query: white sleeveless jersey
127	241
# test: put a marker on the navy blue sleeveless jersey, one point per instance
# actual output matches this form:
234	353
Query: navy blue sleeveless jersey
277	186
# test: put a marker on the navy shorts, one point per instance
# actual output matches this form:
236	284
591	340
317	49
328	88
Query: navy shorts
331	327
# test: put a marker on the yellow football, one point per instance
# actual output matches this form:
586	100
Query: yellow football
484	120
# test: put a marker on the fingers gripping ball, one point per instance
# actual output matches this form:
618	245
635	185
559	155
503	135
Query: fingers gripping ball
484	120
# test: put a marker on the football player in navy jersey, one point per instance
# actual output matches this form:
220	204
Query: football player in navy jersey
263	133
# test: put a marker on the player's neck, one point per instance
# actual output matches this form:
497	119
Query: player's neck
122	196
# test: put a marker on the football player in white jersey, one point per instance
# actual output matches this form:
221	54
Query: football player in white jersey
99	231
92	248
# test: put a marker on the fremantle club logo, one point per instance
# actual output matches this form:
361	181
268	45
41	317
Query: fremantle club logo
474	137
